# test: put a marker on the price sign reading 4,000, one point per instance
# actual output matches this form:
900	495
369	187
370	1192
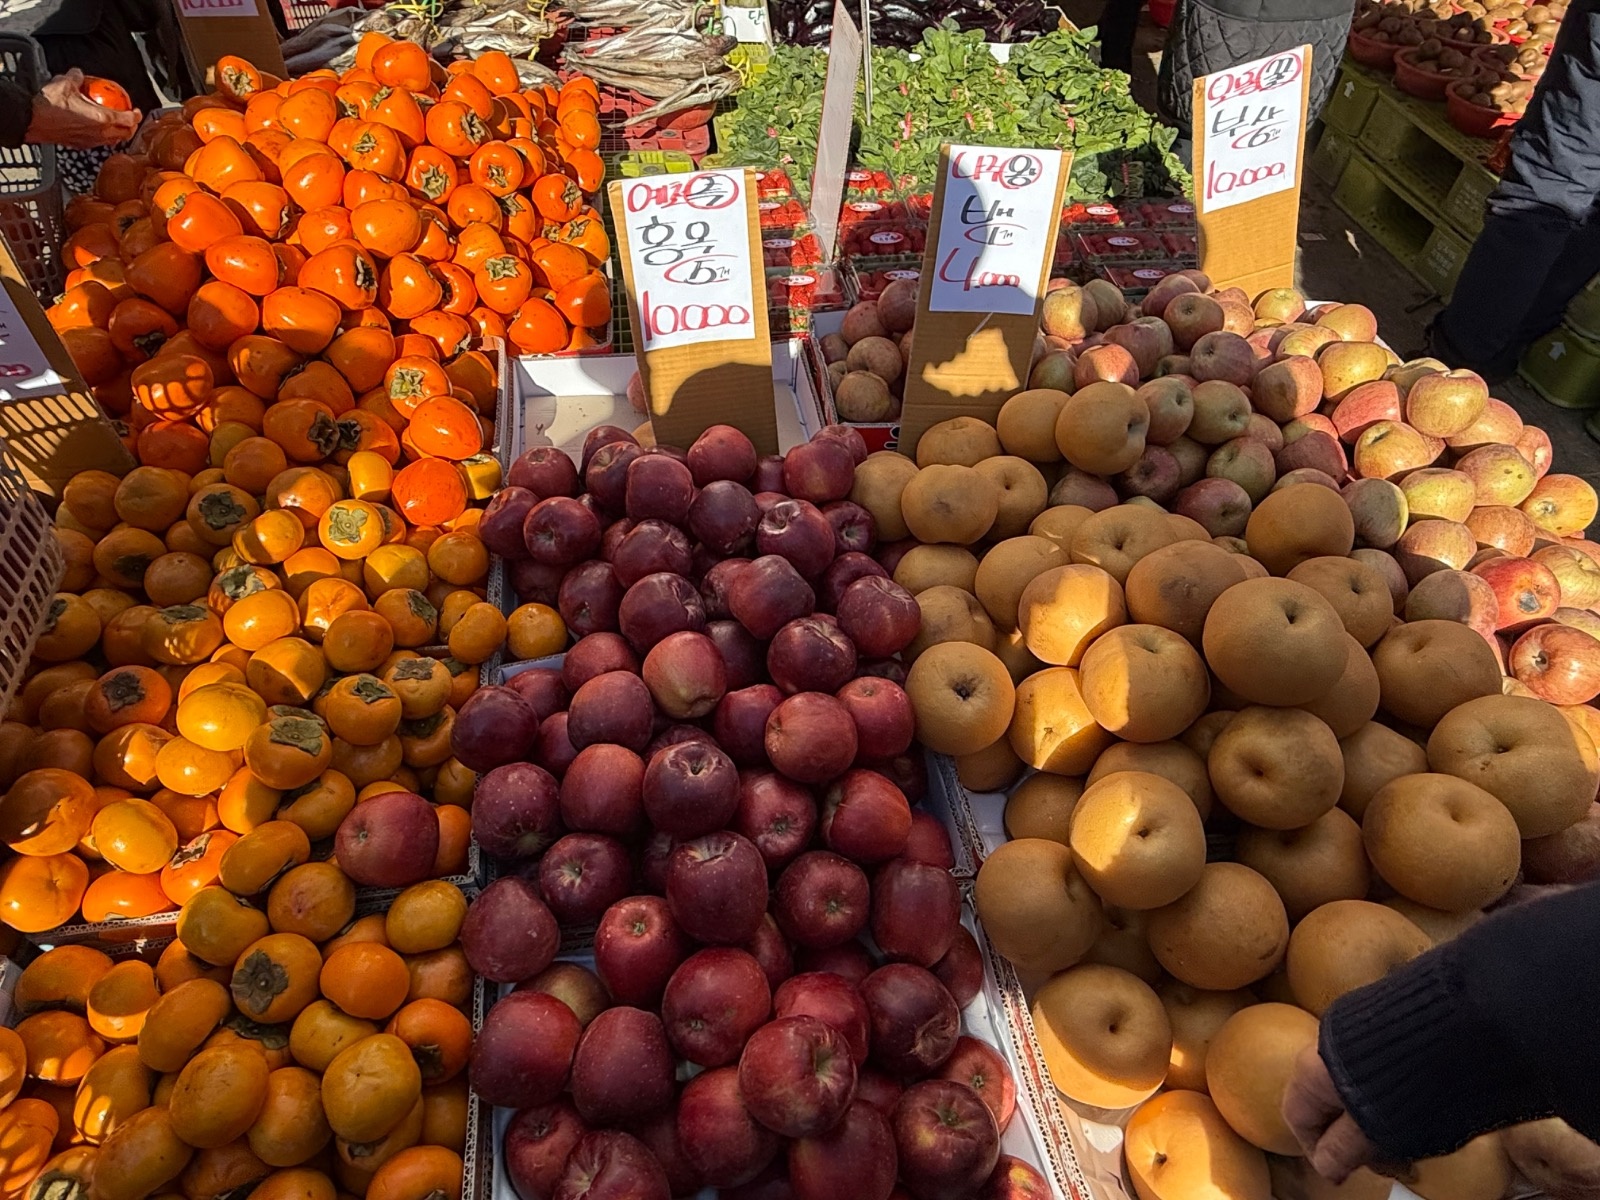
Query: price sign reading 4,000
1253	121
688	240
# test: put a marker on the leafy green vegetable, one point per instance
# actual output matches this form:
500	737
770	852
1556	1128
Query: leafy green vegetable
1051	93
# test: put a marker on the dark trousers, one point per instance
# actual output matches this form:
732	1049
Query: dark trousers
1541	240
1119	22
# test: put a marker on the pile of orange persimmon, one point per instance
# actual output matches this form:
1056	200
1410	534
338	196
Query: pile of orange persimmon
330	1061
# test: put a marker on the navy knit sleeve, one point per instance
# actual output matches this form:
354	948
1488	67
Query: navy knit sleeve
16	113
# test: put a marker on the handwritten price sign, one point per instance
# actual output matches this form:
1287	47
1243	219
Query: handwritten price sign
996	227
1253	127
688	239
218	8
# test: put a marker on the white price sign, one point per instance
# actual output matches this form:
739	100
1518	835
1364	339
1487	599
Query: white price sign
218	8
24	370
995	229
1253	118
688	240
748	24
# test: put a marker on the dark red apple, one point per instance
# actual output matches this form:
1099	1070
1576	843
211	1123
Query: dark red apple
552	749
961	968
841	573
797	530
714	1001
811	654
653	860
500	528
523	1054
929	841
851	962
717	888
1014	1179
542	688
771	1184
819	471
878	1090
538	1142
947	1139
615	707
685	674
676	735
623	1070
908	772
854	530
494	727
890	553
590	598
714	585
594	655
740	722
601	436
915	1022
611	539
851	438
769	474
797	1076
612	1166
881	711
865	818
516	811
658	605
855	1158
1570	856
659	487
916	910
829	998
536	583
508	934
724	517
766	500
811	738
776	814
691	789
390	840
560	532
603	791
576	986
660	1136
650	547
771	949
879	616
822	900
545	471
637	947
892	669
720	1139
768	594
721	452
584	874
979	1066
744	660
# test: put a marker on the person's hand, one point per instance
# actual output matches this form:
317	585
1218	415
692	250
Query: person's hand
64	116
1315	1114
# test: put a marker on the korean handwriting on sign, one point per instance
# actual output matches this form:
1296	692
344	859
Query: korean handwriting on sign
683	252
1252	128
1248	126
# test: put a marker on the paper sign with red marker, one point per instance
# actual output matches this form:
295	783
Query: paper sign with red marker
1252	123
688	240
994	229
218	8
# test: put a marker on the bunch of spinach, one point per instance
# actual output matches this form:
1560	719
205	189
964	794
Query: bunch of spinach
951	89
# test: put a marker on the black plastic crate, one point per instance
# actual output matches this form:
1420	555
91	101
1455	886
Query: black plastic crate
30	196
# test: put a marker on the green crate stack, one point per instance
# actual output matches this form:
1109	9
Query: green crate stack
1564	368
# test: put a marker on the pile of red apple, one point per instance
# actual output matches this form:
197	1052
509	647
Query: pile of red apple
718	779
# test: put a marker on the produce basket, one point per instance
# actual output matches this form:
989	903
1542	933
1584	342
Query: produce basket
30	197
31	566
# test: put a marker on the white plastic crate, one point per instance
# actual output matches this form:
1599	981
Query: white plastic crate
31	567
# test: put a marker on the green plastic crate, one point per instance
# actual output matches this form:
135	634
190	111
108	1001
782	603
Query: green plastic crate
1564	368
634	164
1397	223
1388	128
1440	260
1351	103
1464	204
1583	313
1329	158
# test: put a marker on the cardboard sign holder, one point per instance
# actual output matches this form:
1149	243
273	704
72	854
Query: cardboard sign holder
691	388
967	364
1251	245
53	437
208	38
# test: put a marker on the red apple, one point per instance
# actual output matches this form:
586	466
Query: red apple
602	791
691	788
743	658
881	712
916	910
1570	856
615	707
685	674
947	1138
797	530
536	583
545	471
855	1158
714	585
1524	590
797	1076
877	1089
500	528
494	727
854	531
523	1054
776	814
658	486
979	1066
659	605
1147	339
717	888
1246	461
1557	663
594	655
552	749
740	722
1221	506
908	772
850	961
841	573
865	818
1225	356
623	1070
721	452
600	437
538	1142
637	947
811	738
1105	362
724	517
768	594
1014	1179
771	949
542	688
829	998
822	900
650	547
576	986
612	1166
769	475
516	811
1431	545
811	654
961	968
714	1001
560	531
508	934
584	874
915	1022
819	471
724	1144
1156	476
1458	596
590	598
660	1136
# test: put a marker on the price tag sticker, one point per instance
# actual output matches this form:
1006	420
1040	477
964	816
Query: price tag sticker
218	8
1252	118
688	241
749	25
996	229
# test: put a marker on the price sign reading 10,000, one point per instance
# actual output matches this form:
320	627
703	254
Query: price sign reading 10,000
688	239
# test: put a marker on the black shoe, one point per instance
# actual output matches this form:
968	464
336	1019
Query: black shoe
1492	371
